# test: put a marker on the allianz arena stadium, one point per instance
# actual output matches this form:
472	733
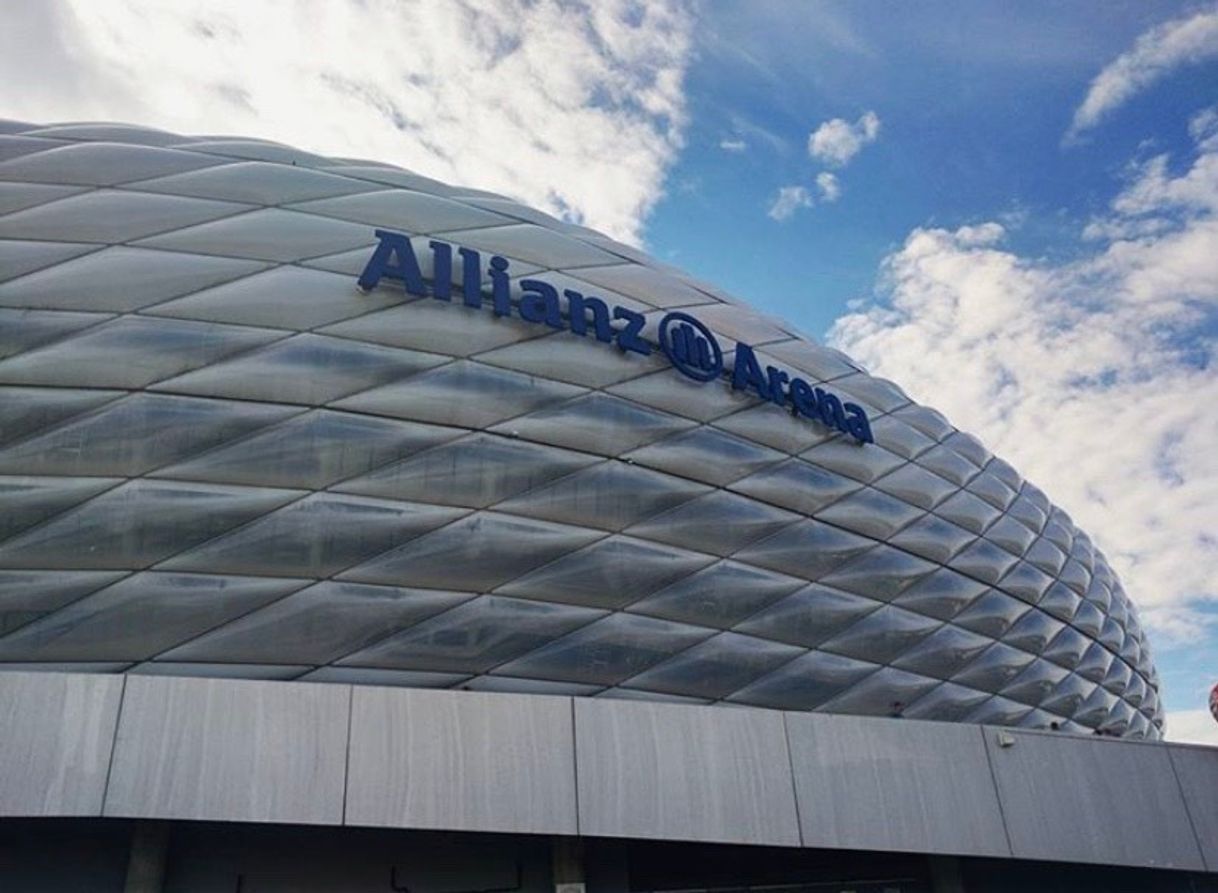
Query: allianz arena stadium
275	416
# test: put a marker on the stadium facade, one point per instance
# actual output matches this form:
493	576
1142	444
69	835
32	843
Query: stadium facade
336	496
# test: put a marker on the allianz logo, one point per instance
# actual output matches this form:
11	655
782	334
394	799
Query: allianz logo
691	347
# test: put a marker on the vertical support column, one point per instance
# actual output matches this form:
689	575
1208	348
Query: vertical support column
146	865
945	874
568	865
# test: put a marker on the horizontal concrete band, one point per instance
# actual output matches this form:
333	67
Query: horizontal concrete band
256	751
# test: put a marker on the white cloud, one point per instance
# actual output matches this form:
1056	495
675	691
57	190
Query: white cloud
733	145
1192	727
1154	55
830	188
577	109
789	200
1095	377
835	142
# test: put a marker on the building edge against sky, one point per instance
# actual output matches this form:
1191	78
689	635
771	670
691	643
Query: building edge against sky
285	418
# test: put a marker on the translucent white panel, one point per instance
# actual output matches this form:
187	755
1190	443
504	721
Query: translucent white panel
109	215
1075	576
947	703
137	524
219	671
269	234
739	324
609	574
915	485
255	182
308	369
571	358
462	393
706	454
1010	535
102	164
21	330
992	490
1068	648
807	549
374	172
263	150
18	257
943	653
679	395
475	554
983	560
808	616
968	511
14	145
151	349
999	711
715	668
992	614
1066	697
1095	663
885	693
315	537
140	616
805	683
18	196
929	421
882	635
644	284
1035	683
474	471
607	651
1005	473
30	410
932	537
949	464
597	423
120	279
821	363
995	668
718	522
1136	690
514	210
119	133
1117	677
1046	556
318	624
881	573
721	595
1033	631
533	243
286	297
132	436
440	326
27	595
1028	514
1088	618
1025	582
871	513
475	636
370	676
798	485
530	686
878	392
612	495
942	594
1059	534
900	438
30	500
402	210
769	424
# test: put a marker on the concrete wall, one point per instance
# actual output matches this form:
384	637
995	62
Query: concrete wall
293	753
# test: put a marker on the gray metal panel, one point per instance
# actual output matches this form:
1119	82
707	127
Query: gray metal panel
1197	770
233	750
683	773
1091	800
462	761
876	784
56	733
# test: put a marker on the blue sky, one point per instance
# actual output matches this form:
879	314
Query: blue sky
1011	209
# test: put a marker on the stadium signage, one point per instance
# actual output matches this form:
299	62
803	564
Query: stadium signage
691	348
